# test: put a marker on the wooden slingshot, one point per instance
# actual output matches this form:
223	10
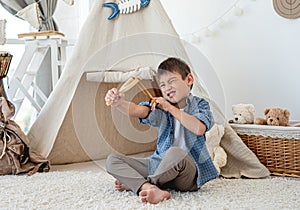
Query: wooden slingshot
130	83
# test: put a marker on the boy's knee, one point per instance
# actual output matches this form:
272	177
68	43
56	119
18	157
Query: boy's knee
176	155
111	160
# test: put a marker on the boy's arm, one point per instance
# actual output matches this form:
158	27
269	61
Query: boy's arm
188	121
133	110
118	101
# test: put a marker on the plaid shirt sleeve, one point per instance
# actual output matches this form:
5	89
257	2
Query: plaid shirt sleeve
154	117
201	110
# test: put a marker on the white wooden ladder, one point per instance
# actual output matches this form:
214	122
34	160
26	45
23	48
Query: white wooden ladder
23	82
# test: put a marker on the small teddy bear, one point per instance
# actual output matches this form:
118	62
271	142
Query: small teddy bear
217	153
243	114
274	116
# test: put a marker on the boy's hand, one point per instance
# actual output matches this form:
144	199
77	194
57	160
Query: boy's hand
113	97
161	103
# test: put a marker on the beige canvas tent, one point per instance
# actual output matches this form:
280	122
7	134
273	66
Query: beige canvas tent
75	125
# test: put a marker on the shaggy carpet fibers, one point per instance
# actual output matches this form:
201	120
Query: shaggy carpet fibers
94	190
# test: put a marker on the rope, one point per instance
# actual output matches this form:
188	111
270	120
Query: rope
5	143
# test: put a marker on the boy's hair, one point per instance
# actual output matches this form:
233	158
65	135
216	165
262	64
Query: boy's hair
173	65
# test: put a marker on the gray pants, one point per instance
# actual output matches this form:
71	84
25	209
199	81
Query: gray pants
176	171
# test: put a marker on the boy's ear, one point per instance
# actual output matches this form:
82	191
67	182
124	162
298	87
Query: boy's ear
190	79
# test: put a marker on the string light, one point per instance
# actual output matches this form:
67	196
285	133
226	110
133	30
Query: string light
222	23
238	11
208	31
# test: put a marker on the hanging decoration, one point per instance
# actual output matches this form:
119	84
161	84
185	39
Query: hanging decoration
125	7
32	13
208	30
2	32
287	8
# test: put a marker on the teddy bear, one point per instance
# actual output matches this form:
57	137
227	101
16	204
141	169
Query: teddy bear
243	114
274	116
217	153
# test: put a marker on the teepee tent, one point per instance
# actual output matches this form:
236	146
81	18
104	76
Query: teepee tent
75	125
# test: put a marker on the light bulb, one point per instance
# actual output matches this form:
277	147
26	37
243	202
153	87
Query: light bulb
238	11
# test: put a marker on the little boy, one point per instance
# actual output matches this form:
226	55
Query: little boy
181	160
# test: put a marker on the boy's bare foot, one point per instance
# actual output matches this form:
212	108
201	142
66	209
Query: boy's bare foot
120	187
152	194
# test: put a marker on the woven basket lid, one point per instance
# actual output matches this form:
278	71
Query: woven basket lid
287	8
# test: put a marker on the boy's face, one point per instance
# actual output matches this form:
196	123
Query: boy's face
173	87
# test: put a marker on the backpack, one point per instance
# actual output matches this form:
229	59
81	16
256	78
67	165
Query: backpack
16	156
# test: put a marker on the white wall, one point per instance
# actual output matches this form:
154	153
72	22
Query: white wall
256	55
71	18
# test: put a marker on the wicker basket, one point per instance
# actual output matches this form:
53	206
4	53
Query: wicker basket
277	147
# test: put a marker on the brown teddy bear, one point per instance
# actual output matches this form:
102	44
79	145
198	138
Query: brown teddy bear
274	116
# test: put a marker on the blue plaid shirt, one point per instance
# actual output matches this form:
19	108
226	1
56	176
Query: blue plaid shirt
164	121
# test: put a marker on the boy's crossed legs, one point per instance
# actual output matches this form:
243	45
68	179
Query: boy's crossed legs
176	171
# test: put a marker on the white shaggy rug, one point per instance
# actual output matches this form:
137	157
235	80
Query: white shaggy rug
94	190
